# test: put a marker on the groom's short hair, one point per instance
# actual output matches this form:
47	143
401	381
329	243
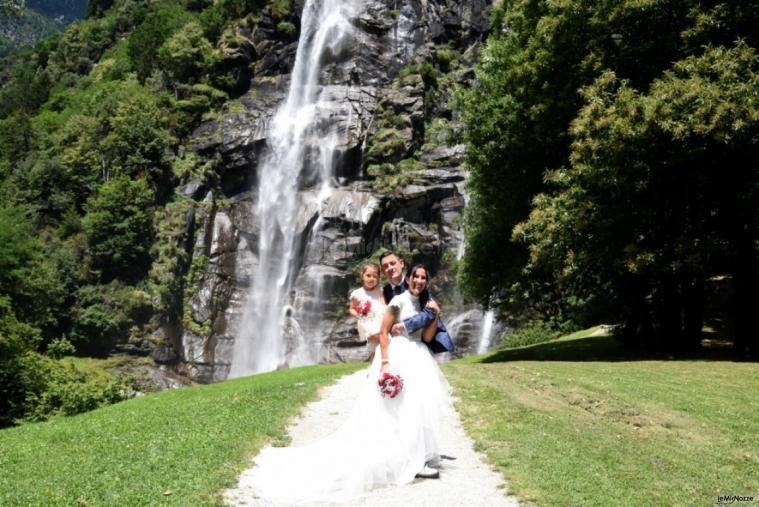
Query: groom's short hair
388	253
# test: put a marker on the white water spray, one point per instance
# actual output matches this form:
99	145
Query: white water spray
301	146
487	332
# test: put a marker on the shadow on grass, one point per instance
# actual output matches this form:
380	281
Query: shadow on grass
605	348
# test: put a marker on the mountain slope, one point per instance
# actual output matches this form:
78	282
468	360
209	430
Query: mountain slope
64	11
23	28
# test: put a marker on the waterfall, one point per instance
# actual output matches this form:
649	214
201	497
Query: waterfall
300	152
487	331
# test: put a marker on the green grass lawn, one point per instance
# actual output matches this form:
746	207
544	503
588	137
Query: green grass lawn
181	447
579	421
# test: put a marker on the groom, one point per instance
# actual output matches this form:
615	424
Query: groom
392	267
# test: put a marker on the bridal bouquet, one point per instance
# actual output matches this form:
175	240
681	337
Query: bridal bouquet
390	385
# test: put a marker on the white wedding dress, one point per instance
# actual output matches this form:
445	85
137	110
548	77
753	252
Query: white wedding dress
383	442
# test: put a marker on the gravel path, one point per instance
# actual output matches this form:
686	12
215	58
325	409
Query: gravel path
465	481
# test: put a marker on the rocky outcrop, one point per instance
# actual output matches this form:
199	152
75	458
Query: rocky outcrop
397	85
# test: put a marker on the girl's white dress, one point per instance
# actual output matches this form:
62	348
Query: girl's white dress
383	442
370	323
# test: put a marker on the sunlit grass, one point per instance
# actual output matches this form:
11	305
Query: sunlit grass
180	447
103	368
576	421
581	421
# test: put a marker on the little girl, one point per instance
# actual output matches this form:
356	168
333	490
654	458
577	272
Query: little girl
367	304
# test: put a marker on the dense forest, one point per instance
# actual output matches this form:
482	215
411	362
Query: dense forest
612	147
615	169
92	124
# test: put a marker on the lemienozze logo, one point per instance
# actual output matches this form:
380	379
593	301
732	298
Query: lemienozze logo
729	499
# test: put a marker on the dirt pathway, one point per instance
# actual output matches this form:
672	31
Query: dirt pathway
464	481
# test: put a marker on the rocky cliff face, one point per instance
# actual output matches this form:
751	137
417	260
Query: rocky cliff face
398	181
22	27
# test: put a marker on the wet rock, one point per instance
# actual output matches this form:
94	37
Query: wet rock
240	137
441	176
150	378
448	156
195	189
353	222
351	206
164	354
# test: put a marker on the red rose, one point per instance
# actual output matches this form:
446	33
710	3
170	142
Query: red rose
390	385
363	310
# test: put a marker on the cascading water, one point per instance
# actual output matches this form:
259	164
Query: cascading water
301	147
487	332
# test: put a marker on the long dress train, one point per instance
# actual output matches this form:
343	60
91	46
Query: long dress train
383	441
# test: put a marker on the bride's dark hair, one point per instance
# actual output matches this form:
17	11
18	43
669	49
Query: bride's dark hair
416	266
425	295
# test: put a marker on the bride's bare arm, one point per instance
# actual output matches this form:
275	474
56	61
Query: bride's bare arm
384	339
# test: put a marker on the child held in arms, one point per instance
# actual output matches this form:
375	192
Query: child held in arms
367	304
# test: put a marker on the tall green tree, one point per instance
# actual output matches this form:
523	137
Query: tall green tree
518	115
138	139
186	56
17	341
119	229
147	38
520	134
27	279
658	186
18	248
16	136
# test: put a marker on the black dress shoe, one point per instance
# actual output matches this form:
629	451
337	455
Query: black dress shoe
428	473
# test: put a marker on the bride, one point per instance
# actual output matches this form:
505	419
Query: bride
384	441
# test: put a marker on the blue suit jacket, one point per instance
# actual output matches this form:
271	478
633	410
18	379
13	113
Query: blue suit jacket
442	341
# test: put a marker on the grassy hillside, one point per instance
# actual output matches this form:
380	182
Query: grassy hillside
579	421
181	447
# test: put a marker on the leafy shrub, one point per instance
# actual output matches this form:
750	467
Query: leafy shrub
60	347
387	145
197	100
213	20
147	38
390	177
105	314
96	8
52	388
531	334
424	69
34	387
16	340
186	56
279	8
286	28
27	277
446	58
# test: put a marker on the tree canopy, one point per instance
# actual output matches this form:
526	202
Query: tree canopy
613	148
92	126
